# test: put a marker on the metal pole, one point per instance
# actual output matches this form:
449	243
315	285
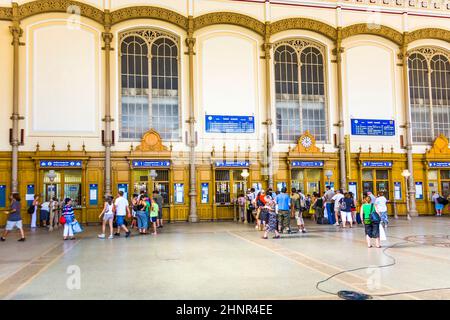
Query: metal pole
267	46
342	159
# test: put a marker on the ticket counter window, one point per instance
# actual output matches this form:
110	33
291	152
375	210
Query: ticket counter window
223	186
433	182
144	183
445	183
376	181
67	184
238	184
306	180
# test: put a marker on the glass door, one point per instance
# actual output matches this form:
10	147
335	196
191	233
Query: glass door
382	182
445	183
297	179
223	186
312	181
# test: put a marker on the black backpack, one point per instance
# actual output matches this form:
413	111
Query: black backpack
442	200
30	209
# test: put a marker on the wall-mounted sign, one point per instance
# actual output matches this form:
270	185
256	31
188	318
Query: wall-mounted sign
61	163
281	185
307	164
397	190
352	187
419	190
229	124
29	197
179	193
205	192
2	196
372	127
439	164
231	164
93	194
377	164
150	163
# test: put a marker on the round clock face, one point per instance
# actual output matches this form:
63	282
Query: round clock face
306	142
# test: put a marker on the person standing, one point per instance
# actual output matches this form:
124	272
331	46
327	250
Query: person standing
271	208
14	218
251	218
371	228
44	215
303	208
337	198
34	215
154	209
381	208
142	213
346	211
241	205
372	197
261	213
108	217
437	205
329	204
69	216
317	205
122	209
283	202
159	201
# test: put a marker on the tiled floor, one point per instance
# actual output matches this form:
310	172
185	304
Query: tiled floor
227	260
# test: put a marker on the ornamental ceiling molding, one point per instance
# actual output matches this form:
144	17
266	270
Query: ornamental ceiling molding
6	13
299	45
303	24
428	33
377	30
229	18
429	52
149	13
71	7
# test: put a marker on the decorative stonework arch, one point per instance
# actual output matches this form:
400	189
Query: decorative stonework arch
46	6
5	13
428	33
229	18
377	30
303	24
149	13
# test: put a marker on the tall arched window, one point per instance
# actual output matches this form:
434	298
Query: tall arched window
300	90
429	92
155	103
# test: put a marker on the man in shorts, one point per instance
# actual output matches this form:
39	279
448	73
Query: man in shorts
337	198
122	209
14	218
159	201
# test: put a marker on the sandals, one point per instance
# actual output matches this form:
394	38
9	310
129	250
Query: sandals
277	237
265	238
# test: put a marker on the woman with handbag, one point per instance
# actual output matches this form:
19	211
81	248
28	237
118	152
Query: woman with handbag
371	219
69	218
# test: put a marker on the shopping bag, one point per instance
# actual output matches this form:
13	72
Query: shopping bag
325	212
382	233
76	227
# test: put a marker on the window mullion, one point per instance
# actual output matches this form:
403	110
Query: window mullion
300	93
430	92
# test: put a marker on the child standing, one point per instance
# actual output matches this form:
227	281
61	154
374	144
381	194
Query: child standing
107	218
154	215
69	215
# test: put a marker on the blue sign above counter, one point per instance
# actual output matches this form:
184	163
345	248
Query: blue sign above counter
439	164
232	164
150	163
307	164
229	124
61	163
377	164
372	127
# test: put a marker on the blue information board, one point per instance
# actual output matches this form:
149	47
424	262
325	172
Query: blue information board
205	192
2	196
372	127
93	194
377	164
439	164
229	124
150	163
231	164
61	163
30	191
307	164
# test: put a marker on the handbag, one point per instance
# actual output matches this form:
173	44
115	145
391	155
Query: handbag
76	227
30	209
62	220
382	233
374	216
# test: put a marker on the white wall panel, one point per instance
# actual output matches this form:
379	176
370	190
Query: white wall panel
64	85
6	71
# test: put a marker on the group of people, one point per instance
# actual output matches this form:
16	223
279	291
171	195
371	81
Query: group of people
439	202
272	211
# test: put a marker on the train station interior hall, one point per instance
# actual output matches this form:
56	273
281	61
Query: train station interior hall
197	106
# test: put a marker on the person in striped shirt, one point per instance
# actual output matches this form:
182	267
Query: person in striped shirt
69	215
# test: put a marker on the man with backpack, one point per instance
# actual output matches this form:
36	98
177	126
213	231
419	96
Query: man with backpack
439	202
337	205
296	209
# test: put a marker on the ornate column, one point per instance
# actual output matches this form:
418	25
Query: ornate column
267	47
342	159
407	107
16	33
107	38
190	42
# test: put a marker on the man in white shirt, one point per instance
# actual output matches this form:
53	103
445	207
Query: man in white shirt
336	198
329	205
381	208
121	208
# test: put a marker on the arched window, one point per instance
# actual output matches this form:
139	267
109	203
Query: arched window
299	90
429	92
155	103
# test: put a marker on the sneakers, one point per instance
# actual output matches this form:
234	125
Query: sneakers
117	234
21	239
111	237
2	239
304	231
336	224
101	236
127	234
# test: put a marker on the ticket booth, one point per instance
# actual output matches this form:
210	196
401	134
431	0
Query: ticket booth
376	176
228	184
306	175
148	175
439	177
